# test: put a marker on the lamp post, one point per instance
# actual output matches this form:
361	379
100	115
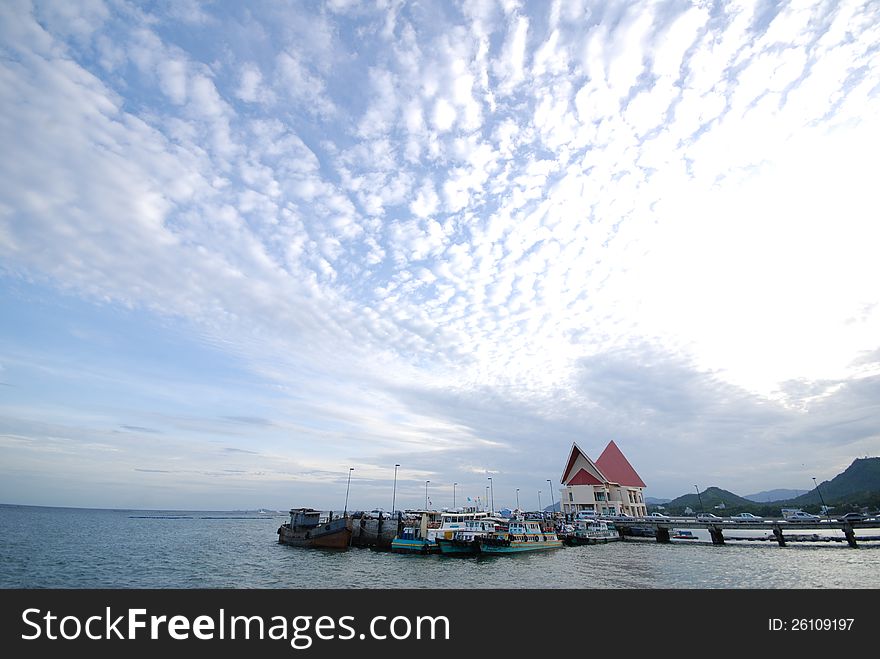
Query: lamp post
702	510
517	498
539	501
345	510
394	491
552	500
824	507
486	502
492	491
453	494
426	494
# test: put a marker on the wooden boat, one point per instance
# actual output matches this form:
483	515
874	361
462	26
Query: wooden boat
520	536
312	528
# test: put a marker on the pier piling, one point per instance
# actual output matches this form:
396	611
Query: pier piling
850	536
777	531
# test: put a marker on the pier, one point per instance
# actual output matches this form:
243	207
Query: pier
777	530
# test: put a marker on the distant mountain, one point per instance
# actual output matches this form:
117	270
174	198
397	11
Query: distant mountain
858	486
654	501
773	495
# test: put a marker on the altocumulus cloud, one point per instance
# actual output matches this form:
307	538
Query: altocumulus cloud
455	236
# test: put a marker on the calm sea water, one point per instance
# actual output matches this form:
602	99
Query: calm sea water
80	548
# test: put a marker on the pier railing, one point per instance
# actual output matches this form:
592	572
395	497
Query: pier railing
780	531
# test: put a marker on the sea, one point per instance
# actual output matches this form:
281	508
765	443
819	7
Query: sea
86	548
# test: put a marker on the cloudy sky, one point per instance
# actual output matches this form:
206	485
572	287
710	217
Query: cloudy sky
246	246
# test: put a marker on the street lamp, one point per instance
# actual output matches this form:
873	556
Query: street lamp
486	503
426	494
453	494
539	501
394	491
552	500
492	490
517	498
824	507
345	510
702	510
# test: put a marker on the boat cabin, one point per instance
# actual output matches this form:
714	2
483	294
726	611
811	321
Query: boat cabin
306	518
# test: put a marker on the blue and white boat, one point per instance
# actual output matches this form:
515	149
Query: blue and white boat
421	538
684	534
411	541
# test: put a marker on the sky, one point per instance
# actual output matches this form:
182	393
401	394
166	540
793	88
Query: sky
246	247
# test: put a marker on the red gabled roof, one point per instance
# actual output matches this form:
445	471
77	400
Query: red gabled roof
617	468
584	478
576	453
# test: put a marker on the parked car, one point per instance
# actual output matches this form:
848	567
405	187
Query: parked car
378	514
658	516
747	517
587	514
852	517
801	516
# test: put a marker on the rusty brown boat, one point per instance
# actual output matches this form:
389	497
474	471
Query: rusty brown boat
315	529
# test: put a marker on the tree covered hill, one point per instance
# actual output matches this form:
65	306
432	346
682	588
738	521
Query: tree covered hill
858	486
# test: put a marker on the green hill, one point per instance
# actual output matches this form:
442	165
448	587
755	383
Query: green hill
707	500
858	486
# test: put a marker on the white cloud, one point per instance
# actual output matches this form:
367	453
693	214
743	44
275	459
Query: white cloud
250	88
510	67
400	220
297	82
173	80
444	115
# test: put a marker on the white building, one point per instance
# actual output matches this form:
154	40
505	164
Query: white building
608	486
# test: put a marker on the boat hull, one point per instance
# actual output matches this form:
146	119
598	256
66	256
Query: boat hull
332	535
518	547
413	546
458	547
574	540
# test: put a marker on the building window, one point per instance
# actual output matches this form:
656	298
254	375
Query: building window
570	496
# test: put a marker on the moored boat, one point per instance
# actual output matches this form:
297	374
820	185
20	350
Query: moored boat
418	539
684	534
411	541
520	536
312	528
466	540
591	532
